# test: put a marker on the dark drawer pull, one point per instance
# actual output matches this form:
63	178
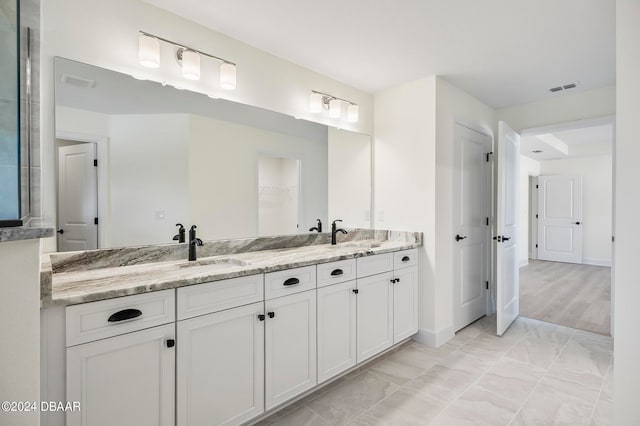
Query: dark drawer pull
291	281
125	314
337	272
406	259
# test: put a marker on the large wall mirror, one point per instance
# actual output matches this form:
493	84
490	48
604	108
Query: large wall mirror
133	158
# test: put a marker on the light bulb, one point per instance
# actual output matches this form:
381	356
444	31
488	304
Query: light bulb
335	108
190	64
352	113
315	102
148	51
228	76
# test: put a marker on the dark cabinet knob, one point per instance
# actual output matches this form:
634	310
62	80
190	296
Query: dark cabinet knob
355	291
171	343
406	259
261	317
271	314
337	272
576	223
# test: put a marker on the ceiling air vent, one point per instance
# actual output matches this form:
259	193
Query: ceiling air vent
77	81
563	87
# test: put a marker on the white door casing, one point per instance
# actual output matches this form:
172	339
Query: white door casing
77	197
560	218
123	380
220	369
470	224
507	215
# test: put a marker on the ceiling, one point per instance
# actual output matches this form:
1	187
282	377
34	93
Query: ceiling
570	143
504	52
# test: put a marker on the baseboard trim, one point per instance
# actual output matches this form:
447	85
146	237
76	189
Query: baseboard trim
434	339
597	262
524	262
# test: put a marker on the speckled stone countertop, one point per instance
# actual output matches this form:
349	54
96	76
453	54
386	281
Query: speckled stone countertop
26	232
68	285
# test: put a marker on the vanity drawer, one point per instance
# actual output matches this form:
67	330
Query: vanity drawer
201	299
405	258
290	281
336	272
98	320
376	264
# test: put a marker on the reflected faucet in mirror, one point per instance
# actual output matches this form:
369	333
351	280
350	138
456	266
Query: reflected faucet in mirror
317	228
335	230
179	237
193	242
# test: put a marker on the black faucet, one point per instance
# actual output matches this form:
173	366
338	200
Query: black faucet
334	231
193	242
318	227
179	237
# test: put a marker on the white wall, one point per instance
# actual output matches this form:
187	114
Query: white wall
225	204
528	167
597	191
149	173
350	178
20	328
561	109
627	212
405	175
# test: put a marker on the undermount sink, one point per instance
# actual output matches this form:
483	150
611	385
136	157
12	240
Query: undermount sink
216	263
360	244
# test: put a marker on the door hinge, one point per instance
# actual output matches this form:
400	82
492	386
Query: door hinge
95	163
613	239
488	154
487	221
536	246
95	220
537	186
487	285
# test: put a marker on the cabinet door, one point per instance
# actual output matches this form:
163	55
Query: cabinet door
123	380
336	329
405	304
375	315
290	347
220	372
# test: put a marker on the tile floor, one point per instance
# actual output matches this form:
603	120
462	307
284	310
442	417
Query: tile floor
536	374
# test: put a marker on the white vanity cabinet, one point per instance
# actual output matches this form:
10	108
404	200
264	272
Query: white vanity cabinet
125	378
290	347
336	328
405	303
375	314
220	369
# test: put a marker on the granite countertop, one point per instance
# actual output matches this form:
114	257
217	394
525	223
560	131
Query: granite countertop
73	287
26	232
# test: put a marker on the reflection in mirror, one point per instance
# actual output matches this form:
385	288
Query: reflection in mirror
167	156
278	195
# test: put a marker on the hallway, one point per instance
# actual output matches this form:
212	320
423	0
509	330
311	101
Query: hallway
573	295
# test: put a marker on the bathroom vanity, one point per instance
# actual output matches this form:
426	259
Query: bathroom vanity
226	339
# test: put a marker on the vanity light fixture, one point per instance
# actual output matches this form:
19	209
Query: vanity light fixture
319	101
188	57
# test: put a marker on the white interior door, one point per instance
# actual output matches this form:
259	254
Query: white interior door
471	211
560	218
77	198
508	277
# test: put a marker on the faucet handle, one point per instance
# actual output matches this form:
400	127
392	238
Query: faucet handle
180	225
193	227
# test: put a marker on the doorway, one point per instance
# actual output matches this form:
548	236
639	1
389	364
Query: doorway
278	195
77	195
565	274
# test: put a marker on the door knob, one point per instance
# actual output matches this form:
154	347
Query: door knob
458	237
576	223
60	231
505	238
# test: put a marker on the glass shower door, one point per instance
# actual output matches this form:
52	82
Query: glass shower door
9	114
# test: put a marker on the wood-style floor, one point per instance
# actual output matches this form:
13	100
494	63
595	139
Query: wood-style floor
576	296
